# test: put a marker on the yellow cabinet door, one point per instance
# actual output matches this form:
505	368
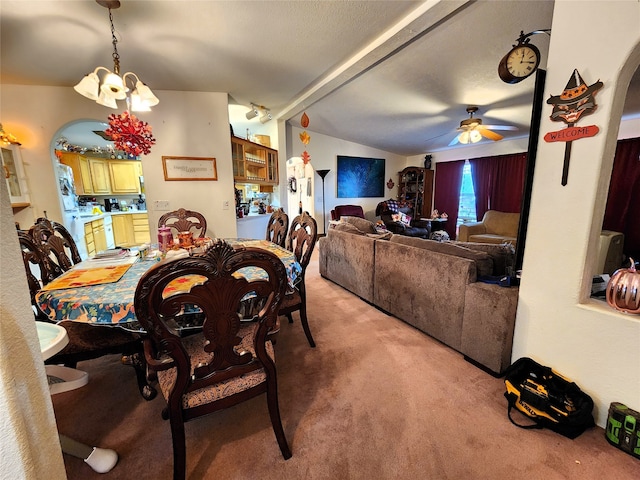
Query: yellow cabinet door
81	172
141	228
125	176
99	237
89	240
100	176
123	230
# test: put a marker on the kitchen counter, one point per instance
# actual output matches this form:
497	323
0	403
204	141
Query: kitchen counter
85	217
253	225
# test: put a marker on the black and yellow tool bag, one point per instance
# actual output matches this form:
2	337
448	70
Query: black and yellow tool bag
549	399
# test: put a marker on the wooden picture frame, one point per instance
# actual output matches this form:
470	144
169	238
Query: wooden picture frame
189	168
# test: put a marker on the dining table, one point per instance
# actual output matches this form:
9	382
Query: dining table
101	291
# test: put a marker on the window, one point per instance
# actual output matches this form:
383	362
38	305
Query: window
467	209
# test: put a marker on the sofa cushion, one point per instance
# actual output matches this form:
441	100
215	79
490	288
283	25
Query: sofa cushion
484	262
347	227
492	238
381	235
503	255
362	224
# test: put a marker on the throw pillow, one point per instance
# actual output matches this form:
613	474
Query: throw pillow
402	218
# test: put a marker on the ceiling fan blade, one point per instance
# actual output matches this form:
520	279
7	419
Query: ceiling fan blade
501	127
489	134
454	141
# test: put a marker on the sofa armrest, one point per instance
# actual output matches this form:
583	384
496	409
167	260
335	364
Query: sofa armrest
467	229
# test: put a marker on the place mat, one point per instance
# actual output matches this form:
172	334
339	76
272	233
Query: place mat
86	277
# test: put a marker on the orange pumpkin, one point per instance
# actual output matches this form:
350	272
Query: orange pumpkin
623	289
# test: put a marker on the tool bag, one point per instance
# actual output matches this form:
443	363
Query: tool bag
549	399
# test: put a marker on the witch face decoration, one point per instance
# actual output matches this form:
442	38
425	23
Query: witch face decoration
576	100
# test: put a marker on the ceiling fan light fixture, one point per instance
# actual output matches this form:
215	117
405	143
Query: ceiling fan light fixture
474	136
464	137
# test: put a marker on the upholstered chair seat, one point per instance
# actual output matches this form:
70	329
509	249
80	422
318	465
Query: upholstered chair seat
194	345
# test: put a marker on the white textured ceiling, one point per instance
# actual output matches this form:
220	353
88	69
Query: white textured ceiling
396	75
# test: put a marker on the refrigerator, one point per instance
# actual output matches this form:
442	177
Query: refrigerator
70	209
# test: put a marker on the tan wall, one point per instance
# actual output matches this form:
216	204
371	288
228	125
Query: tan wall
184	124
557	323
30	448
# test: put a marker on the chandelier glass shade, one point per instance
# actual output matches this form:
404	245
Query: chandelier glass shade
113	86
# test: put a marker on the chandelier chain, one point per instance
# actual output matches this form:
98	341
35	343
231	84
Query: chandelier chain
114	40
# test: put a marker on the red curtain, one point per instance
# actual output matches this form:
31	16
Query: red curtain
622	213
446	196
498	182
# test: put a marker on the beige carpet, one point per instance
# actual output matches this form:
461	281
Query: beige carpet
376	399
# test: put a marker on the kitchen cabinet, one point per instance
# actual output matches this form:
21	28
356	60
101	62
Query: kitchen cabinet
415	188
123	230
100	176
141	228
94	237
125	176
253	162
15	176
81	173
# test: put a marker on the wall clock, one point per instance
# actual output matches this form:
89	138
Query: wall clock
519	63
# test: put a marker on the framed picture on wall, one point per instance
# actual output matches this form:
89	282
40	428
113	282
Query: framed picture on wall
189	168
360	177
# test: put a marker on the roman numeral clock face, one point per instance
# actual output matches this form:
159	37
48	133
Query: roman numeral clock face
519	63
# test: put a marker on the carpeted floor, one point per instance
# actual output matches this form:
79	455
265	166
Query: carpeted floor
376	399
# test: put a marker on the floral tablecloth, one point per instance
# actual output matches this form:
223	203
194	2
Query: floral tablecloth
112	303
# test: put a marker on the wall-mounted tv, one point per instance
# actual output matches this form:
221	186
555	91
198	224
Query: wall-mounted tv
360	177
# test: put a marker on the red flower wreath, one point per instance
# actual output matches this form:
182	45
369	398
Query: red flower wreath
129	134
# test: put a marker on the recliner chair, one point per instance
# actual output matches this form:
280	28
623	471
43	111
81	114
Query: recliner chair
390	212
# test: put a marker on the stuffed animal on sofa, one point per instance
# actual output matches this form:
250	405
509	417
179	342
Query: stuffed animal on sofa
398	219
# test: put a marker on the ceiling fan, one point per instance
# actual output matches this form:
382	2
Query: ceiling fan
471	129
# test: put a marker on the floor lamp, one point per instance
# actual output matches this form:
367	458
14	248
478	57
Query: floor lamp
323	173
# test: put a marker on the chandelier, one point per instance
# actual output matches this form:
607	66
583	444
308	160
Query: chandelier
113	86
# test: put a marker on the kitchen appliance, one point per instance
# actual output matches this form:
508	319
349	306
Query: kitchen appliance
111	204
108	232
70	209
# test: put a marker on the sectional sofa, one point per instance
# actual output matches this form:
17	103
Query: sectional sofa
430	285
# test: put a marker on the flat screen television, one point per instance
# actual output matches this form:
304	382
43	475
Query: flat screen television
360	177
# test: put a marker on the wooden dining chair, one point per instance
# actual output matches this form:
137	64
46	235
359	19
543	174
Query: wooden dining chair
182	220
49	250
301	241
58	245
230	361
277	227
35	265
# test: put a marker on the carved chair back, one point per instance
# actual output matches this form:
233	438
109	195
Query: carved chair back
230	361
182	220
302	239
277	227
34	259
57	244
